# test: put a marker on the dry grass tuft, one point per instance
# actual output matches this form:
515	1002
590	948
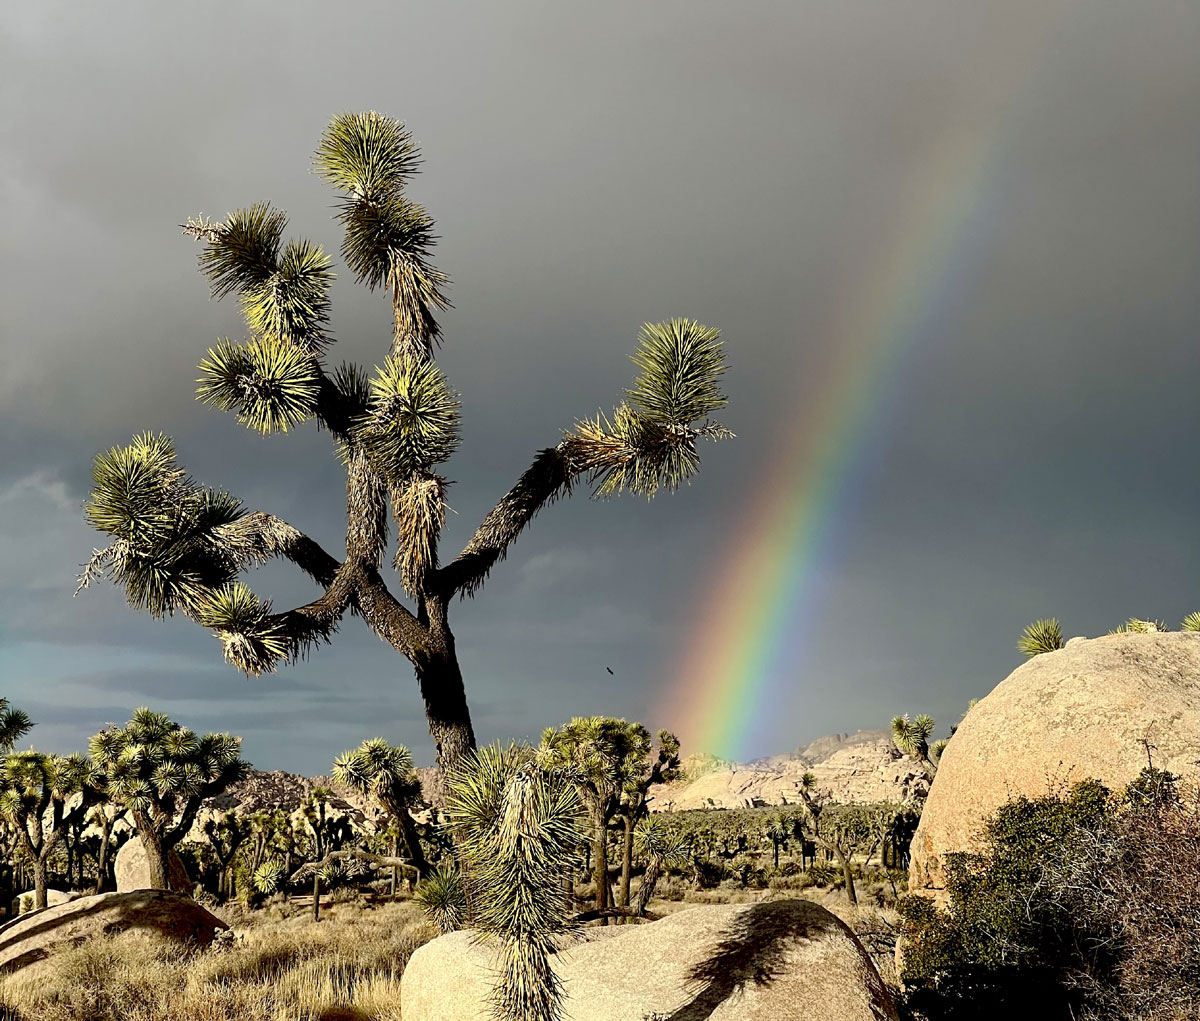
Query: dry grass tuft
345	968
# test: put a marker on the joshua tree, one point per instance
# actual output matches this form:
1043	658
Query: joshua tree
841	833
602	755
14	725
385	773
518	830
104	817
161	772
442	896
225	834
327	833
662	850
176	545
1041	636
911	737
640	774
34	790
1191	622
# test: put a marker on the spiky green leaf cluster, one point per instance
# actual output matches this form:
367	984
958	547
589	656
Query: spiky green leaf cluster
269	877
1191	622
1137	626
650	441
292	304
652	839
270	382
284	293
1041	636
251	638
681	363
412	421
367	155
14	724
442	897
518	831
912	736
153	762
243	252
166	551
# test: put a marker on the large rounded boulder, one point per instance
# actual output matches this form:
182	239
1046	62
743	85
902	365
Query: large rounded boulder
778	961
132	870
40	934
1086	710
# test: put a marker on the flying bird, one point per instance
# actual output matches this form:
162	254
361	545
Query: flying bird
609	669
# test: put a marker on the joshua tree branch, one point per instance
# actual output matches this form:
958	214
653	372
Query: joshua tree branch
259	537
372	860
549	477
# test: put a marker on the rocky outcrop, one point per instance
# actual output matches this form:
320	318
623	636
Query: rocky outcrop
133	870
778	961
860	772
38	935
1082	711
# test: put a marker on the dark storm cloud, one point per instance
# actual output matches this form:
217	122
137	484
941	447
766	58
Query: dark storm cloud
592	167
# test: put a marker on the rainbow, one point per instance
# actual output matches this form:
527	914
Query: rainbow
747	642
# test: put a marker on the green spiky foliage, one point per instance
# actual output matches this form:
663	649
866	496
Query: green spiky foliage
1041	636
1191	622
35	789
269	877
518	833
162	772
911	737
442	897
1137	626
14	725
643	767
608	760
662	849
176	546
384	772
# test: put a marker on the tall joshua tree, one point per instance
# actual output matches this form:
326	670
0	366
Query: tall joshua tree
640	773
34	791
385	772
177	545
161	772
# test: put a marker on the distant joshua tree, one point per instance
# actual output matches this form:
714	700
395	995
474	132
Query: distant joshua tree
385	772
161	772
176	545
35	789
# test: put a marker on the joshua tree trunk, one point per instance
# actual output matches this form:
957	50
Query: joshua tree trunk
39	883
626	860
447	714
600	860
316	896
847	873
412	842
646	890
156	853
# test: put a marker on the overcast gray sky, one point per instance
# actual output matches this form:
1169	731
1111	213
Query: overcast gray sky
591	167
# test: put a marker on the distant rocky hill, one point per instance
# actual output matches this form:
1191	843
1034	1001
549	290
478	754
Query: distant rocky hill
859	767
853	768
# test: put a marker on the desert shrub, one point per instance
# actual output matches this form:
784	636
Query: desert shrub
709	873
1079	905
824	873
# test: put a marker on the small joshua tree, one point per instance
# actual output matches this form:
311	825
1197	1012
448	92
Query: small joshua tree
176	545
385	772
640	773
34	791
662	850
161	772
1041	636
518	830
441	895
911	737
225	834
